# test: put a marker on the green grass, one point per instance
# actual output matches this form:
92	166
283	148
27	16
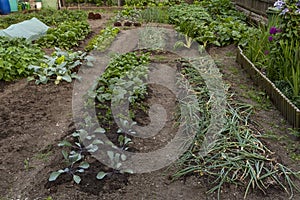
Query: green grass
260	98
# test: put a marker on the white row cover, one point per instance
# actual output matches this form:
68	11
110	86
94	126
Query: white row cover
30	29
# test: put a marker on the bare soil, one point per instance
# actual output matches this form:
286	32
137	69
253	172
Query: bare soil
34	118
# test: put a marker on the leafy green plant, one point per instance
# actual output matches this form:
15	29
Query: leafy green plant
61	66
72	159
75	158
116	163
130	14
150	3
155	14
103	39
124	77
223	28
188	42
50	17
123	71
275	52
15	55
66	35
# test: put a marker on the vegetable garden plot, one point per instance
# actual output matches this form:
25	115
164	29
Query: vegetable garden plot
42	158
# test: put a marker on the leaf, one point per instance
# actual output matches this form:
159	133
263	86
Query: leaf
120	131
54	175
76	178
88	137
127	140
84	165
64	143
99	130
80	170
97	141
118	165
117	157
121	139
65	154
43	79
92	148
75	134
110	155
78	144
67	78
123	157
74	158
101	175
129	171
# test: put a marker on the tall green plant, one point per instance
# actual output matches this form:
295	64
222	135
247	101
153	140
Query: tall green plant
288	62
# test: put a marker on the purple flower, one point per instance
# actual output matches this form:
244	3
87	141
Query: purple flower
273	30
270	38
284	11
297	11
266	52
279	4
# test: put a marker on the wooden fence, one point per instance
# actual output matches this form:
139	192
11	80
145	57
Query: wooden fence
257	6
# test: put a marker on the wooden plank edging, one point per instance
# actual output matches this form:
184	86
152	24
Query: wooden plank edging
289	111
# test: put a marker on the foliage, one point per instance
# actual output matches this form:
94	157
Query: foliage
50	17
275	50
124	77
238	157
123	71
66	35
15	55
223	27
284	66
128	14
103	39
221	8
59	67
148	3
97	2
75	159
155	14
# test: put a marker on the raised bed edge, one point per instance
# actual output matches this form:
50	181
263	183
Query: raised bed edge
289	111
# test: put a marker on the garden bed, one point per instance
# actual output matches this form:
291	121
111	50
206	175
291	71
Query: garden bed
290	112
36	118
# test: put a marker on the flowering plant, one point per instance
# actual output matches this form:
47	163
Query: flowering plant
289	14
288	6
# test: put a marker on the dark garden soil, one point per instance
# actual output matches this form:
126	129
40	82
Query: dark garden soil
34	118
